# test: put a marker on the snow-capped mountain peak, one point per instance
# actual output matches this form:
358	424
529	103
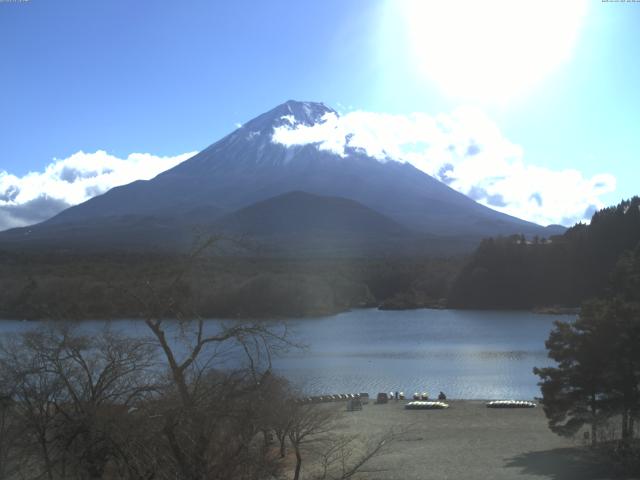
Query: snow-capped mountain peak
291	113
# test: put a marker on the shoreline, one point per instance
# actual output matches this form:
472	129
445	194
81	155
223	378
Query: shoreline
537	310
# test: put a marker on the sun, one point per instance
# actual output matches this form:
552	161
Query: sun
487	50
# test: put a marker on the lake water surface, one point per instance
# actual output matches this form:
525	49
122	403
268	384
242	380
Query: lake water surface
466	354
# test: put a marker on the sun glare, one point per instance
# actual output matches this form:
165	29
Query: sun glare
490	51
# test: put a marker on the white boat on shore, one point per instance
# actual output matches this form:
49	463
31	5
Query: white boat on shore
511	404
423	405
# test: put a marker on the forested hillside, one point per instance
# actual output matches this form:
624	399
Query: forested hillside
513	272
107	286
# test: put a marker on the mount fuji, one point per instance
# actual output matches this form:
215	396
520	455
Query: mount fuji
282	195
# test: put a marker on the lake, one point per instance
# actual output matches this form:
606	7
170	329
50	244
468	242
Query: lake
467	354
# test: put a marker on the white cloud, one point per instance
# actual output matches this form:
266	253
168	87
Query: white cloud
467	151
37	196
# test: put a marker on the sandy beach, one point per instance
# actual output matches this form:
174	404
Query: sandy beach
471	441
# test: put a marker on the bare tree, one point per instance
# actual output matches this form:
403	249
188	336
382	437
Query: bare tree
72	392
216	372
313	429
34	393
346	456
8	433
309	423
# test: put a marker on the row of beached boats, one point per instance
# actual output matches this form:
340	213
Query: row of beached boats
420	400
338	397
427	405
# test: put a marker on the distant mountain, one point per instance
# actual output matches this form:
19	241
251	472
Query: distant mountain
303	223
246	168
301	213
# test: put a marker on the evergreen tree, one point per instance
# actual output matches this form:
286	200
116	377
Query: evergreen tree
598	360
574	392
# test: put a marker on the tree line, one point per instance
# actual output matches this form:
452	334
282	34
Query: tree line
75	286
519	273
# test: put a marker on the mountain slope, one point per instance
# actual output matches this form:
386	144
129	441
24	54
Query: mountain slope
246	167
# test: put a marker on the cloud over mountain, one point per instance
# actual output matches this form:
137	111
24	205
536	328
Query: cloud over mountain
468	152
463	149
37	196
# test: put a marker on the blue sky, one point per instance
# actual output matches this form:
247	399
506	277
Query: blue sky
168	78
